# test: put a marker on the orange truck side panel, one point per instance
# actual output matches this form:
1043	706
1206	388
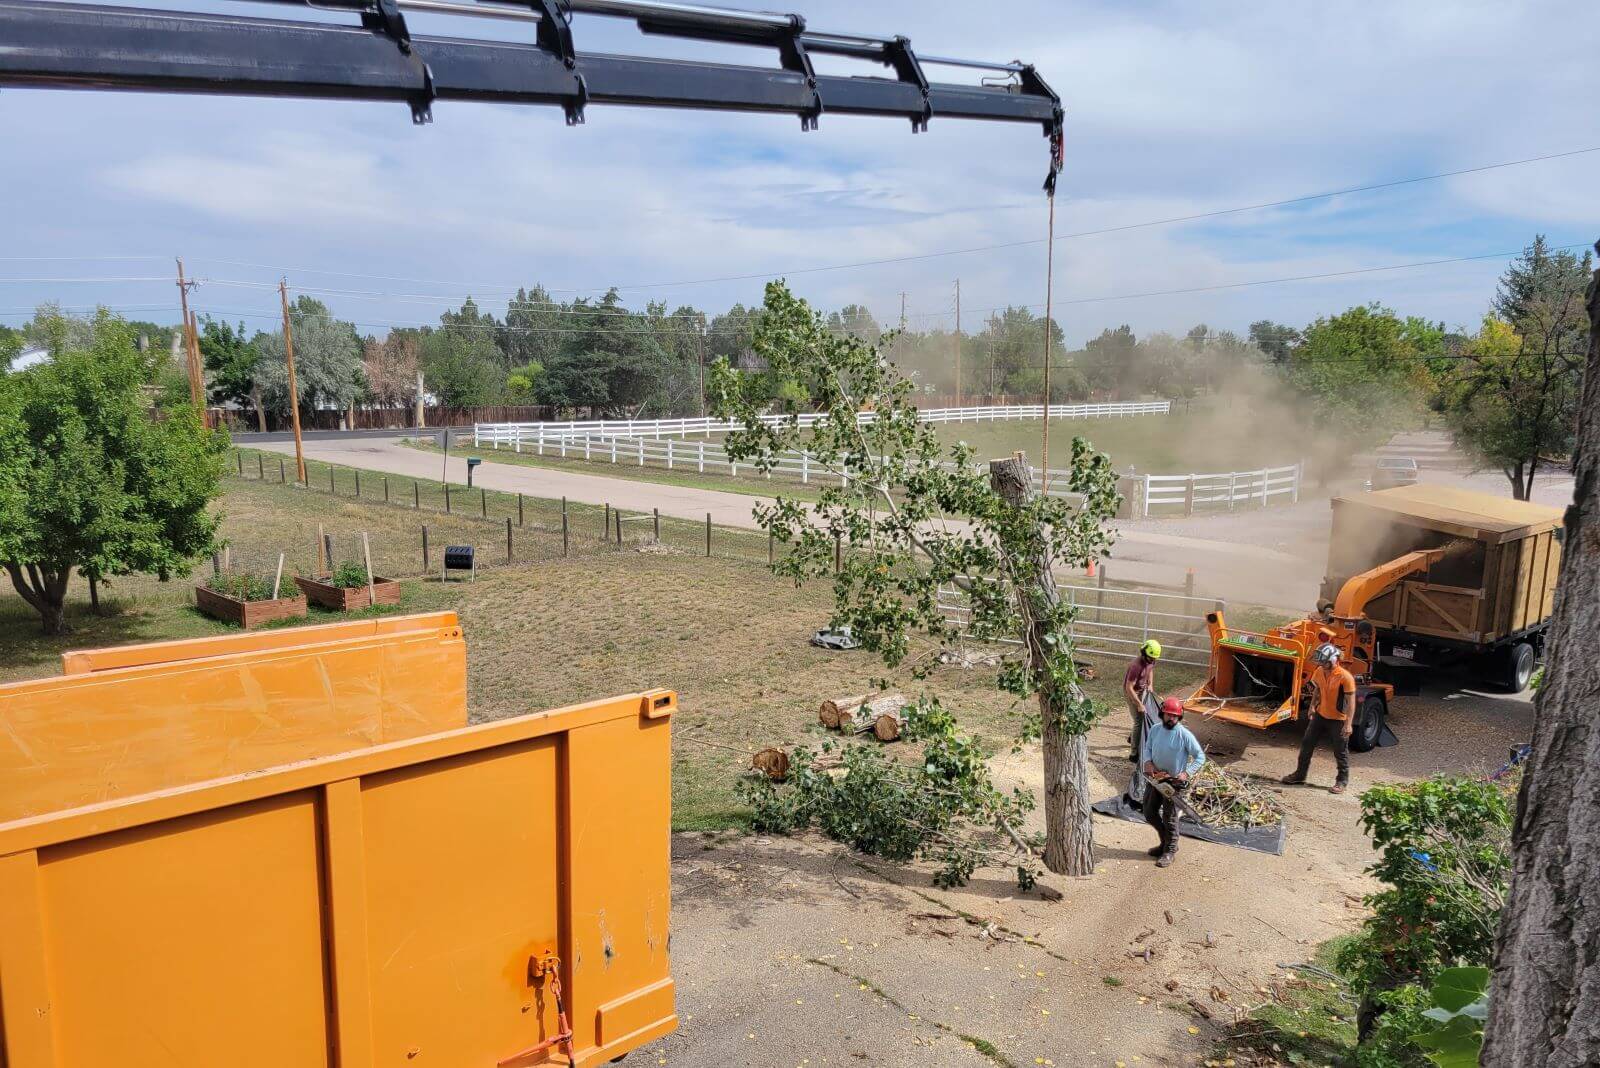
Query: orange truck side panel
375	907
133	719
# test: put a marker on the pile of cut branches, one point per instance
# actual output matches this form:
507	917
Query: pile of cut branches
1224	799
940	805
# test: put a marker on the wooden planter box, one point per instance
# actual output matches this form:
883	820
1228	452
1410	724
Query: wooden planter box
247	614
384	591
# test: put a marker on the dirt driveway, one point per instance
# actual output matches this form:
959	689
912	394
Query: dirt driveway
803	953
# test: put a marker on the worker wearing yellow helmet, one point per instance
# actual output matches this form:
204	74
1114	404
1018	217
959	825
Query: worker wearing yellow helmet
1136	683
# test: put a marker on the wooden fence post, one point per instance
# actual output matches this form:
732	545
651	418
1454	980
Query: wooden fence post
1188	583
619	528
769	548
447	498
327	543
385	489
564	542
1188	496
708	533
607	535
261	470
838	553
519	508
416	496
330	479
508	539
358	482
656	515
483	501
1263	487
281	476
239	456
425	567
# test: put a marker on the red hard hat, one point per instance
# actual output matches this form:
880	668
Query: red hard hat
1172	707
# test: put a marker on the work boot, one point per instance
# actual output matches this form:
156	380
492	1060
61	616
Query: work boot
1339	788
1294	778
1165	860
1156	850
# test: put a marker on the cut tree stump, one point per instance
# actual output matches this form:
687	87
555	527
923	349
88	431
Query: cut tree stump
866	717
833	710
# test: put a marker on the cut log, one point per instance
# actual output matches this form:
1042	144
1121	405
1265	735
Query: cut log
888	726
866	716
833	710
773	763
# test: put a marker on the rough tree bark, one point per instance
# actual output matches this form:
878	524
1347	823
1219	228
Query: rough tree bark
1544	997
1069	832
46	591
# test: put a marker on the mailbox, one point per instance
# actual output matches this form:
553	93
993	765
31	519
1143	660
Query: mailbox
472	465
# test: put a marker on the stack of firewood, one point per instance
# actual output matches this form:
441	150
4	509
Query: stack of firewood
884	715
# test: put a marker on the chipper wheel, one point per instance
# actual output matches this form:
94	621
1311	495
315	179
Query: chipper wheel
1370	715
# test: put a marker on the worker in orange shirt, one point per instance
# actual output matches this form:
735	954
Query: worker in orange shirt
1333	718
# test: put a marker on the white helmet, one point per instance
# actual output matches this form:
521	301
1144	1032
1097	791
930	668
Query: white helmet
1326	653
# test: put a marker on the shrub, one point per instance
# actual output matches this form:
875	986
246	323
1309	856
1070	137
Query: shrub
1444	860
241	586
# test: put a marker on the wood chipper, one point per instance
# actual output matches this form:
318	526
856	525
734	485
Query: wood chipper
288	849
1259	679
1447	572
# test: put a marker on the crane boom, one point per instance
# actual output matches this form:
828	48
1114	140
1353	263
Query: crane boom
89	46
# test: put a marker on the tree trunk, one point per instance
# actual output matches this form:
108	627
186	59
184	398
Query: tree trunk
1544	997
1515	475
46	592
261	410
1068	826
94	595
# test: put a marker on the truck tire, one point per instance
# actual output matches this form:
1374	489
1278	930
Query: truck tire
1518	668
1370	715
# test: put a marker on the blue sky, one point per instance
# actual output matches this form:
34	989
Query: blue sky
1173	109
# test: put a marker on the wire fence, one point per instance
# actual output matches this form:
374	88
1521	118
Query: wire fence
516	433
1115	619
504	528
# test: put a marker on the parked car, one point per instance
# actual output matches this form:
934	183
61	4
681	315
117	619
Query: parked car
1392	471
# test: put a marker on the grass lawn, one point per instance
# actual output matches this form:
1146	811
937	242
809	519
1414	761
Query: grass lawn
723	632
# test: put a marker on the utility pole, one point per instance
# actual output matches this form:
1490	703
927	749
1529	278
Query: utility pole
902	310
958	342
191	345
420	402
700	342
294	391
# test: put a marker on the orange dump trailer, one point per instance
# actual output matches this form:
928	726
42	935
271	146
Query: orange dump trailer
387	891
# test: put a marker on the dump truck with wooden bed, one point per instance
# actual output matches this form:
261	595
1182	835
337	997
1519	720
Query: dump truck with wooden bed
288	848
1418	578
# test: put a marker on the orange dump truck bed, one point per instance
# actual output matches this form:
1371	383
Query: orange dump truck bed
429	896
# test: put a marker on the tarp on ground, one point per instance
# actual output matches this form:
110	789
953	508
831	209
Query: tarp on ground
1127	806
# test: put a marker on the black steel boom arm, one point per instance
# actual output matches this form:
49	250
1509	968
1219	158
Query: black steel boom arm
85	46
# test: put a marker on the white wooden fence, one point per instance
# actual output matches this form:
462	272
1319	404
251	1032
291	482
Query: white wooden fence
509	433
1114	621
1224	491
700	457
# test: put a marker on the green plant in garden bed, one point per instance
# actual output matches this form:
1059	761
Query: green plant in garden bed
351	575
241	586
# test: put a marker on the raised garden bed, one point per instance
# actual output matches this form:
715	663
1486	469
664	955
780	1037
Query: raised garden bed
247	614
345	599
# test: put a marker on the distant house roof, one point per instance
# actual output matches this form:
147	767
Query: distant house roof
29	358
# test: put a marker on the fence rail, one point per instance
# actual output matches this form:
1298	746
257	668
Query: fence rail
700	457
1224	491
507	433
1117	620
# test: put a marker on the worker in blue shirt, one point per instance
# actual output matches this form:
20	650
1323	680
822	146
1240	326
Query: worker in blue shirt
1172	757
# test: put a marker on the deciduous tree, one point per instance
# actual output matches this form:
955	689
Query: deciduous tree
327	360
913	517
90	482
1544	999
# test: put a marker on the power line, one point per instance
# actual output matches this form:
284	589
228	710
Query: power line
1284	202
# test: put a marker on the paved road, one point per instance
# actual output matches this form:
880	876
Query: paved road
1146	555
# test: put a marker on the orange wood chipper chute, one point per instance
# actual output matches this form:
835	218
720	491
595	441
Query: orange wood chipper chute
1262	678
288	848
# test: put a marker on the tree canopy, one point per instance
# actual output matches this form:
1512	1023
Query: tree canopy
89	481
